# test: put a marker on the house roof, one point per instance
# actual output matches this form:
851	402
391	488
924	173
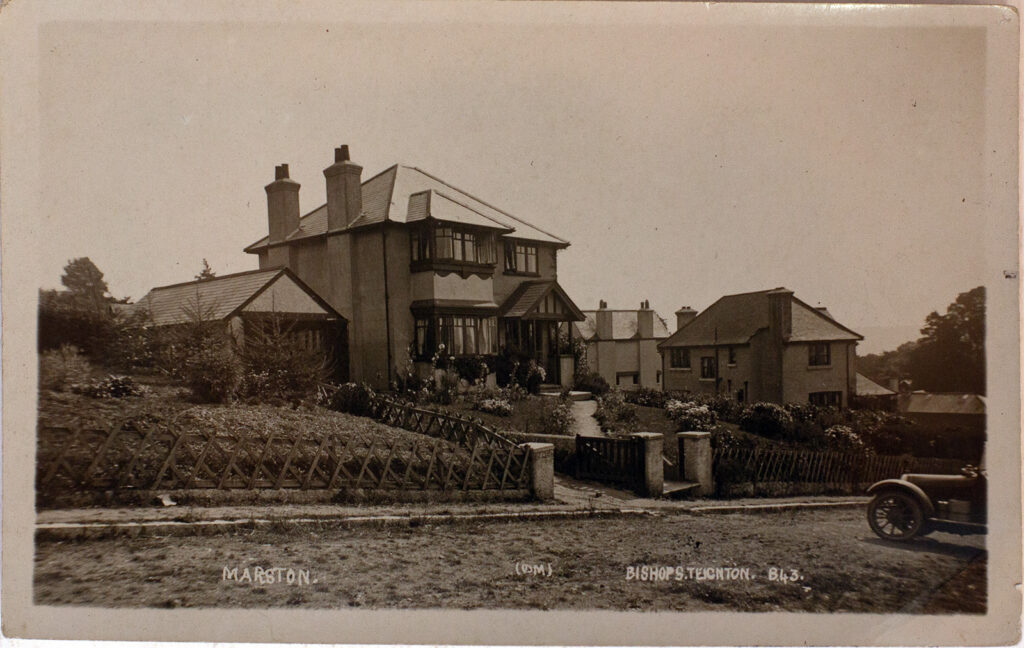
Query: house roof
386	197
220	297
439	206
528	295
926	403
734	319
868	387
624	325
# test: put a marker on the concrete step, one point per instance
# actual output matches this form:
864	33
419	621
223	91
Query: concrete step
556	390
678	489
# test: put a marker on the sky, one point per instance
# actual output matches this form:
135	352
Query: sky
683	163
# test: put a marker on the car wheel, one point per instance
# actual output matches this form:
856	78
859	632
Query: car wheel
896	516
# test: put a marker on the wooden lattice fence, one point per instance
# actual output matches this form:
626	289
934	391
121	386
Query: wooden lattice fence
831	470
449	454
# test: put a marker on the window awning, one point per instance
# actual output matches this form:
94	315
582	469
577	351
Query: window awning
424	307
540	300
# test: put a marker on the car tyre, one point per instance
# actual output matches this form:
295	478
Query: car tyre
896	516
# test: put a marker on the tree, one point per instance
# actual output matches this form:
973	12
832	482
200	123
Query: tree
882	367
950	356
206	273
87	290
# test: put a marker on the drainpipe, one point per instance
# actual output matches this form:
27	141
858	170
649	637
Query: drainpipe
387	309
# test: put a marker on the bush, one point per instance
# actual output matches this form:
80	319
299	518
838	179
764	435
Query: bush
496	406
647	397
111	387
613	412
62	367
593	383
472	369
352	398
278	365
766	419
690	417
212	372
555	416
514	367
844	439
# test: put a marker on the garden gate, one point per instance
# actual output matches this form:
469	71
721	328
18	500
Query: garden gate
614	461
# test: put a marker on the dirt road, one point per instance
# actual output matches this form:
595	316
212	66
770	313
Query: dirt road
810	560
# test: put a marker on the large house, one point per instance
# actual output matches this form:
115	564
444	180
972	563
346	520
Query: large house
622	345
412	262
762	346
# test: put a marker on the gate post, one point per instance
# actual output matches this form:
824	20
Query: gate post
542	470
651	444
697	460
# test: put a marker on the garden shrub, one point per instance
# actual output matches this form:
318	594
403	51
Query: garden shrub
593	383
647	397
496	406
844	439
556	416
472	369
613	412
111	387
352	398
62	367
277	365
212	371
766	419
690	416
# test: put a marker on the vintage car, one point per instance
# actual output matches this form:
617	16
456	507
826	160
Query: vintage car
915	505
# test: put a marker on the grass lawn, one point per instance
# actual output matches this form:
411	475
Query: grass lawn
528	415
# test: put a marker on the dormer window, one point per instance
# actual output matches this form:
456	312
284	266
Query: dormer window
520	257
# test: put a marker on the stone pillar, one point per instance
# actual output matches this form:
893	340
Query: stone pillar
542	470
654	468
567	369
696	463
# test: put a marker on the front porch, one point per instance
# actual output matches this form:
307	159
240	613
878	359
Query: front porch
530	321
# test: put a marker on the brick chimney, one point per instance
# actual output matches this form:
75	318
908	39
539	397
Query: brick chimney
684	316
780	313
344	190
603	321
282	204
645	320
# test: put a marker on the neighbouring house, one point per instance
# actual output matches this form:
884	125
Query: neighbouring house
762	346
871	395
412	262
251	299
622	345
944	411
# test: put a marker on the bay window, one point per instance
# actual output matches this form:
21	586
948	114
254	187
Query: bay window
460	335
444	243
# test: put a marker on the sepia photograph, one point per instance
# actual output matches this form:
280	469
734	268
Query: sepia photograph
575	323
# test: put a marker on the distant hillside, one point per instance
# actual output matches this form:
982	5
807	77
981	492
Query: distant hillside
878	339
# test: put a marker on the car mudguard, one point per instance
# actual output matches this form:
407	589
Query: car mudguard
913	489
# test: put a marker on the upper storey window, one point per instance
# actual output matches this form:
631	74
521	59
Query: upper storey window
520	258
444	246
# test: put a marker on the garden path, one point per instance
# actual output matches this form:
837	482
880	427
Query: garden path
585	424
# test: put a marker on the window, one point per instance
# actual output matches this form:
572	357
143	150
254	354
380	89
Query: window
520	257
732	355
419	241
819	355
826	398
707	368
447	243
679	358
420	337
460	334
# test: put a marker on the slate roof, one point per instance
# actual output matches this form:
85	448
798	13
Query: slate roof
386	198
868	387
441	207
216	298
734	319
624	325
925	403
529	293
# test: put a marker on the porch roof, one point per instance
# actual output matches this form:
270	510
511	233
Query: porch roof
452	306
524	301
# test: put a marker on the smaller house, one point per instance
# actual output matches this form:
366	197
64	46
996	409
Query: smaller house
622	345
249	299
871	395
762	346
943	411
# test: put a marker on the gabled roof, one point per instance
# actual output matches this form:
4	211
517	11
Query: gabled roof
624	325
527	296
868	387
734	319
925	403
221	297
386	198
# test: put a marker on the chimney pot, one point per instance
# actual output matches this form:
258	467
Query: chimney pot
281	172
341	153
